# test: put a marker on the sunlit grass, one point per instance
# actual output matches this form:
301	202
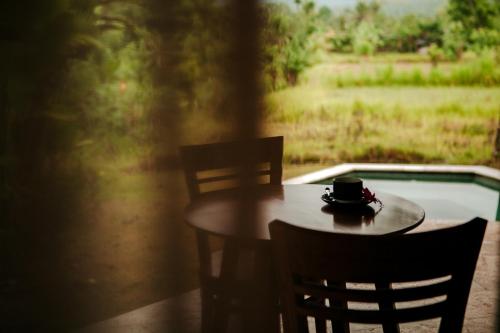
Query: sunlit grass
410	124
402	70
389	57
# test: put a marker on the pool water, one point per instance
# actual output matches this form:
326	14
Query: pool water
452	197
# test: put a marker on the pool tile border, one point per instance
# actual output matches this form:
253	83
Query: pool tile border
341	169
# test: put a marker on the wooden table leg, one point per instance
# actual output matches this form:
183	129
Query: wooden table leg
221	311
260	301
268	316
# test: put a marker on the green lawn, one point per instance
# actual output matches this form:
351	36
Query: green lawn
327	125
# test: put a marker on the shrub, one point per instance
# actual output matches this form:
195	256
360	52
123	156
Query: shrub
482	71
482	39
341	42
297	57
436	54
454	40
287	42
366	39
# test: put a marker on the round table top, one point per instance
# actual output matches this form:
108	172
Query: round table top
300	205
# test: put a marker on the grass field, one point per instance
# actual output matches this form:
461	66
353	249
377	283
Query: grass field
326	125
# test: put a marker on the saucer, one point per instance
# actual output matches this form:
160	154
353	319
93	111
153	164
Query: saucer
331	201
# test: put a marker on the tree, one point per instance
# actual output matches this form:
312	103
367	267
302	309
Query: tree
473	14
324	14
454	37
287	41
366	10
483	39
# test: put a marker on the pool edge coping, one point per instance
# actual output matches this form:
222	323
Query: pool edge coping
478	170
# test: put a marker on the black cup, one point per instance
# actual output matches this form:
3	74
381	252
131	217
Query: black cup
347	189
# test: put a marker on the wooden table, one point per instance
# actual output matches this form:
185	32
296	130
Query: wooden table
219	213
301	205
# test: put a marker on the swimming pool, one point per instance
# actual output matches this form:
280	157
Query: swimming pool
453	193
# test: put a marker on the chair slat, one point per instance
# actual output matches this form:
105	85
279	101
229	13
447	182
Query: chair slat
230	177
207	157
359	316
374	296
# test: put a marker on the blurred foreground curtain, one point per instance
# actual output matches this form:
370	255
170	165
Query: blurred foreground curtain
227	55
95	99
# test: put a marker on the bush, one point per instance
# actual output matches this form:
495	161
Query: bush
482	71
482	39
436	54
454	40
287	42
297	56
366	39
341	42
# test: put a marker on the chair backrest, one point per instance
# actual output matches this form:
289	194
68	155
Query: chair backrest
314	264
218	162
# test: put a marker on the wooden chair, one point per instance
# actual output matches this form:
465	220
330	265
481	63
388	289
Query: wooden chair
313	265
213	167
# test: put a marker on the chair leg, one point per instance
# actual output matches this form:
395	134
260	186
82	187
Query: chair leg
206	295
221	305
302	324
339	325
391	327
220	317
206	311
320	325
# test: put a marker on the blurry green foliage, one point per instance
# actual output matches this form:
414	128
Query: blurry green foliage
401	34
287	41
37	40
470	25
464	25
473	14
106	89
454	40
366	10
436	54
410	33
483	39
366	39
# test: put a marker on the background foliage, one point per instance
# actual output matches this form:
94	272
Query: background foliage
83	70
